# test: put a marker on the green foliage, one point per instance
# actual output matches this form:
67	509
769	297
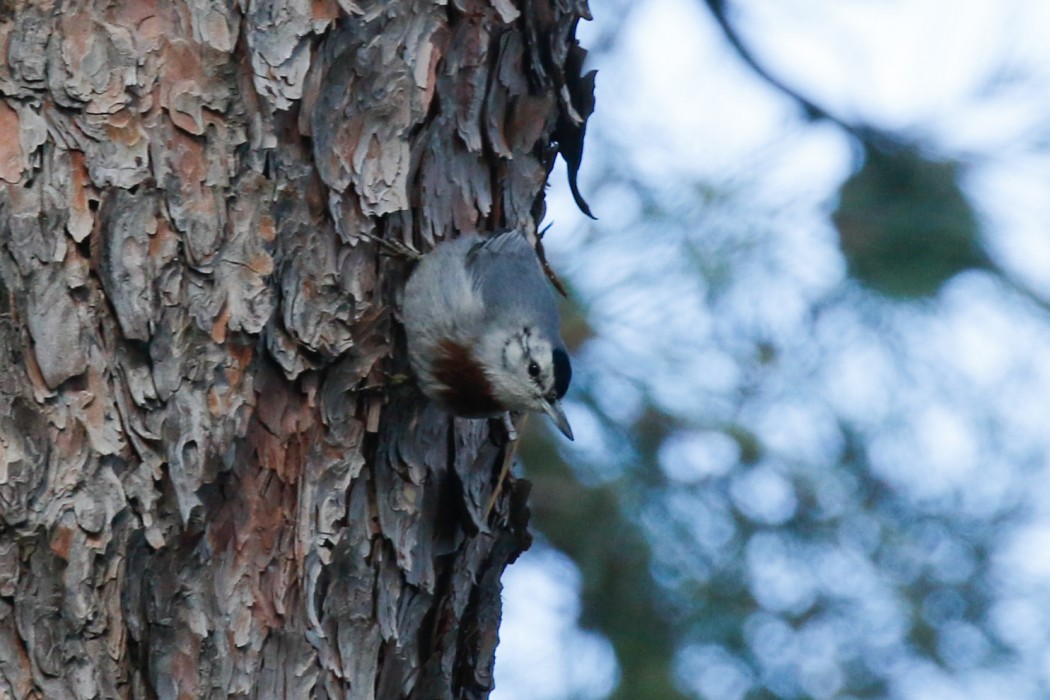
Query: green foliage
905	225
787	486
735	524
619	598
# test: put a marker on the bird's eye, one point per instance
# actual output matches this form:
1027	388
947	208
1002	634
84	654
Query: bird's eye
534	369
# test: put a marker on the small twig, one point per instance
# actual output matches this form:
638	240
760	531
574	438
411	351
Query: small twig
508	462
542	255
811	108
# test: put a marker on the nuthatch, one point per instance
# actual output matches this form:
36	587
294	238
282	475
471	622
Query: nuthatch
482	329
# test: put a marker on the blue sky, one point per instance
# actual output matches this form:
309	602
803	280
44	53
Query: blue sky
676	104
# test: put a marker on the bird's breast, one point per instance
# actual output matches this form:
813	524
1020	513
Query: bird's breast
464	387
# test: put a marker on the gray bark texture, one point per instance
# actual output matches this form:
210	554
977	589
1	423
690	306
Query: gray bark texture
211	483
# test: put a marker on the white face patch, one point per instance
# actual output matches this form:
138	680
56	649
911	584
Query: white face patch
523	375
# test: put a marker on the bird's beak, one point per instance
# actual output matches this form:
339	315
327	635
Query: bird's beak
553	409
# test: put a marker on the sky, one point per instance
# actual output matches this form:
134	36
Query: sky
675	103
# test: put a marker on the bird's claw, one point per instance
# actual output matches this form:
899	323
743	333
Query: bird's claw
394	248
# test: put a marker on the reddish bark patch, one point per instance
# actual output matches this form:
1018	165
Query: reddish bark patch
61	541
12	161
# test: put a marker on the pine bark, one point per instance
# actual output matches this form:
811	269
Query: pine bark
212	481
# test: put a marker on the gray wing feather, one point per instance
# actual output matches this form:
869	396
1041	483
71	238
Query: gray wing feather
506	242
507	273
441	298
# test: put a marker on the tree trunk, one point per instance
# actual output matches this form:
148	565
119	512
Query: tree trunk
212	483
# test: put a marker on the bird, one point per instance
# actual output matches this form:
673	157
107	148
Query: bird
483	330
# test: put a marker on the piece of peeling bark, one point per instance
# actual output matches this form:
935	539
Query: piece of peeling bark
214	476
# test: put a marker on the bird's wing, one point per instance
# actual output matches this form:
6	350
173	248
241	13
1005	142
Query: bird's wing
512	242
503	264
507	274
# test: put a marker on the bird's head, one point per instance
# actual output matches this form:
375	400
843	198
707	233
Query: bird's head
528	370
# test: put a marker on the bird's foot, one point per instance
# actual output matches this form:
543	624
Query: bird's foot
394	248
